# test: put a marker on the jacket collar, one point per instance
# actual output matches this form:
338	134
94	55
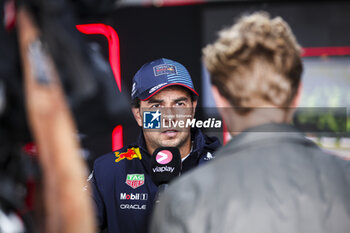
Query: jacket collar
262	134
142	143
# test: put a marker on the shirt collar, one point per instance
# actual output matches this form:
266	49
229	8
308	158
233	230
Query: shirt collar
183	159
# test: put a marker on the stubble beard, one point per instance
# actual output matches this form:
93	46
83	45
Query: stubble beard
178	142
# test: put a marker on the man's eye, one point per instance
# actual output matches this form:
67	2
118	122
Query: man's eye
180	104
155	105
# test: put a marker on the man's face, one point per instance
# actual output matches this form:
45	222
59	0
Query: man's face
173	99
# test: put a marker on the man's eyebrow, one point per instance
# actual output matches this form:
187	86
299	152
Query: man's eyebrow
152	101
181	99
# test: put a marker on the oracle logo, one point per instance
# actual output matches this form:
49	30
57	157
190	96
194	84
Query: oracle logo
133	207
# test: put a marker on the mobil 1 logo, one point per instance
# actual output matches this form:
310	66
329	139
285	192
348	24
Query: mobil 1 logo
134	196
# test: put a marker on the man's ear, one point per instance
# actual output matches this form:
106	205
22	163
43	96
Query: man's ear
297	97
220	101
137	115
194	106
293	105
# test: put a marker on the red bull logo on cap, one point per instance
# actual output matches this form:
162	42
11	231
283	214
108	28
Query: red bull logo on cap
130	154
164	69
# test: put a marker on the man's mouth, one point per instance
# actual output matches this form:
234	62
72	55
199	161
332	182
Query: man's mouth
170	133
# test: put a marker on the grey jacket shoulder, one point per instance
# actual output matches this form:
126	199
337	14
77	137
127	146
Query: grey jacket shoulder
274	182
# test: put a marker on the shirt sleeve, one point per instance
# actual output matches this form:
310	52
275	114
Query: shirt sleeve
160	215
169	215
100	210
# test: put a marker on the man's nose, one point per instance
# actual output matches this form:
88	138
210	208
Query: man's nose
169	113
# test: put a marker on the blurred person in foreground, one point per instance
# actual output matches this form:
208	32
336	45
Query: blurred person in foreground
269	177
122	187
64	205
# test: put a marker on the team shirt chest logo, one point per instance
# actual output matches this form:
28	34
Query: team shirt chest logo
135	180
130	154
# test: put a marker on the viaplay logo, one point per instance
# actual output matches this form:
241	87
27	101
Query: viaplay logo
151	119
164	157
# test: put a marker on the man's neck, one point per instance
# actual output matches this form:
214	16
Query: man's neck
260	116
185	149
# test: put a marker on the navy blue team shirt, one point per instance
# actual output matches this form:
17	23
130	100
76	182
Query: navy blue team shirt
122	187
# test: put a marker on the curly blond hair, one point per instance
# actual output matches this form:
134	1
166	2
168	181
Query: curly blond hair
255	62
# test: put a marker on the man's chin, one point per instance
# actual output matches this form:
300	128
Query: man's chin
170	143
171	139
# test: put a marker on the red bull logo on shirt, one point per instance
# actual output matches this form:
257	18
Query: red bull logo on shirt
130	154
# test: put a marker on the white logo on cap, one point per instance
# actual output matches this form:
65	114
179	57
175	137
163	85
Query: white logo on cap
133	89
153	89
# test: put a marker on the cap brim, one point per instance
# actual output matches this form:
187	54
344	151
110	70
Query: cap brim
171	84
